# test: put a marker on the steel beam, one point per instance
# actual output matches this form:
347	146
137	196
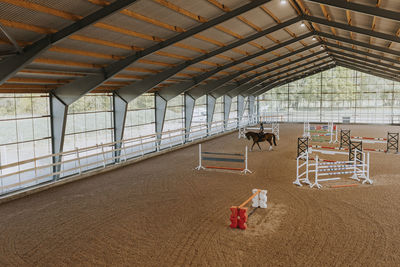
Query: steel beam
210	112
292	78
246	83
11	39
347	27
259	83
213	85
367	65
364	70
356	51
58	111
84	85
227	109
189	108
120	108
132	91
395	69
369	10
252	111
240	107
161	108
358	43
10	66
367	69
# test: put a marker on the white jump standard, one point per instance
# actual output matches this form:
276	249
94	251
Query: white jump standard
358	169
321	131
223	157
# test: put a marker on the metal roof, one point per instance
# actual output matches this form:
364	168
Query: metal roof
152	45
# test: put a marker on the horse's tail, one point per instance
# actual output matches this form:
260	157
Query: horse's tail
273	138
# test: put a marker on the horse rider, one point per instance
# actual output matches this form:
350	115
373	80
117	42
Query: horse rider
261	133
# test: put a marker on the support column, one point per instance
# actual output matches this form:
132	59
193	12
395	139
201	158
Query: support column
161	108
189	108
258	109
210	112
227	109
240	108
58	111
252	111
120	111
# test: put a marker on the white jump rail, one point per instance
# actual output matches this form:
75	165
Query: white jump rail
274	128
331	131
358	169
244	170
32	172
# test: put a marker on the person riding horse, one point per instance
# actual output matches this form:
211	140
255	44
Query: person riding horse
261	133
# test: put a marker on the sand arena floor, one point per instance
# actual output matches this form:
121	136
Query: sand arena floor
160	212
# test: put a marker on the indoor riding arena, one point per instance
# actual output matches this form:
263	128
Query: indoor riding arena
199	133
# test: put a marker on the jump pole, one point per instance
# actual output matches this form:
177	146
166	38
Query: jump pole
244	170
343	185
200	167
239	214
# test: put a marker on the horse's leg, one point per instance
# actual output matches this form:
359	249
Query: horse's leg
254	142
270	144
259	145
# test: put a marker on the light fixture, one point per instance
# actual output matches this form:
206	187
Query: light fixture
302	24
314	39
321	47
283	2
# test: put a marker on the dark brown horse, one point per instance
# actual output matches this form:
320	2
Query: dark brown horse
257	138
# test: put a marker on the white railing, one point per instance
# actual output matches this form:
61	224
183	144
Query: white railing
35	171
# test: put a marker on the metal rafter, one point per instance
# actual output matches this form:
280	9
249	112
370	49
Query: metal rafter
359	30
83	85
209	87
369	10
11	39
246	83
262	82
381	64
130	92
294	77
358	43
369	67
228	90
360	52
12	65
349	65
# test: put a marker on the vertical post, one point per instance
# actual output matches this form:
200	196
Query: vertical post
123	149
240	108
120	109
78	160
104	157
170	139
58	113
141	145
210	112
316	171
1	179
161	107
189	109
355	176
251	109
227	110
307	169
200	167
368	168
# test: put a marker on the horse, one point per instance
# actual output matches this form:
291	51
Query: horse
257	138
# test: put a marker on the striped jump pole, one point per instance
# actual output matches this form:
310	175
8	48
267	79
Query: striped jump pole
358	168
223	157
239	214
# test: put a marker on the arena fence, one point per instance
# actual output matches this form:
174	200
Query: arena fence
45	169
